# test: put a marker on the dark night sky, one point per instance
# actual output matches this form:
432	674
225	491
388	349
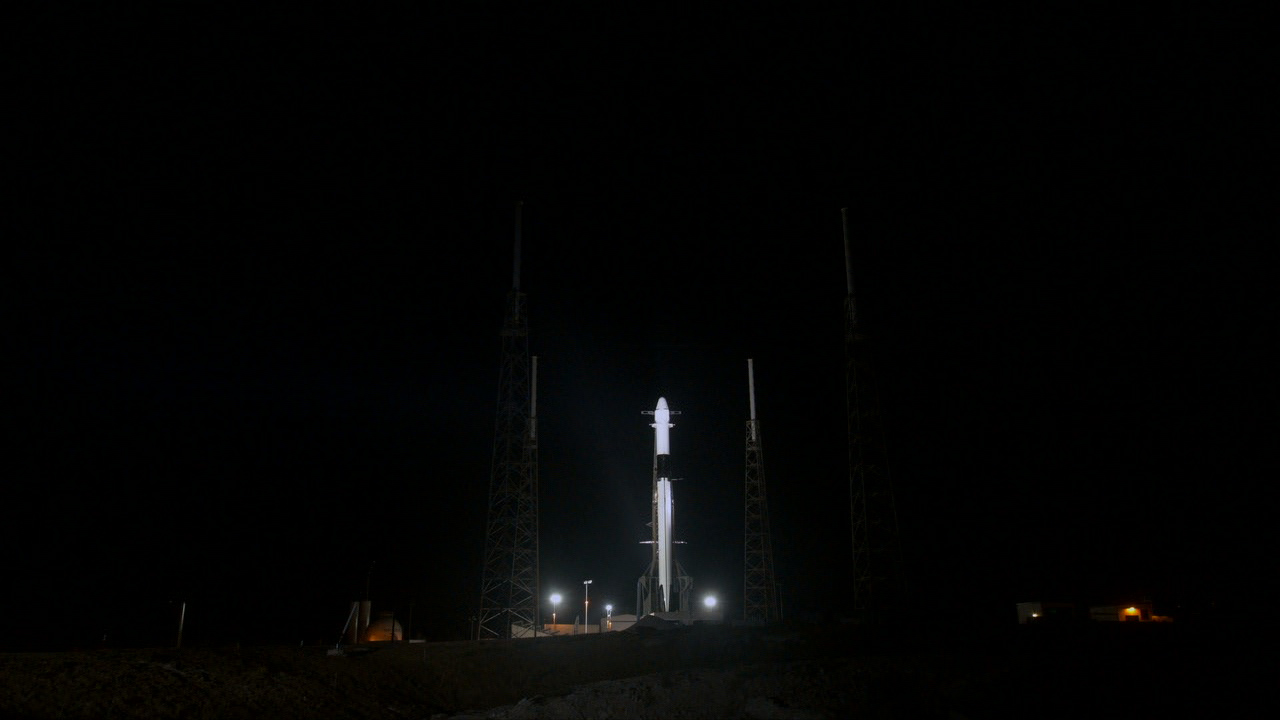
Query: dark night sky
263	261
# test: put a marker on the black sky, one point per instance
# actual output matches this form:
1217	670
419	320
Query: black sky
264	259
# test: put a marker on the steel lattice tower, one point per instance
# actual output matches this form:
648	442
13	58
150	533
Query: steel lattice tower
760	594
509	583
873	515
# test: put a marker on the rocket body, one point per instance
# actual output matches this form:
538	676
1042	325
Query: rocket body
664	502
666	508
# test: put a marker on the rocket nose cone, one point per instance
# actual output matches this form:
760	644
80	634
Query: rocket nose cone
662	403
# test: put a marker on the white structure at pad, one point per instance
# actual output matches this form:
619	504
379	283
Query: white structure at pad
665	502
664	587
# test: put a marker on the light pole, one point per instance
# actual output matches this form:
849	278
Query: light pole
555	600
608	609
586	604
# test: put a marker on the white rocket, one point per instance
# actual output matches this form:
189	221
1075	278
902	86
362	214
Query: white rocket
664	503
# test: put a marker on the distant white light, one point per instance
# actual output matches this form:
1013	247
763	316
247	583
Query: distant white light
709	601
555	597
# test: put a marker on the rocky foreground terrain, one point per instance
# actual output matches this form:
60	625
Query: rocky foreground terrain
784	671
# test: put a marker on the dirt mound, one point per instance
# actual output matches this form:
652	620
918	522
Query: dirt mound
373	681
699	672
786	691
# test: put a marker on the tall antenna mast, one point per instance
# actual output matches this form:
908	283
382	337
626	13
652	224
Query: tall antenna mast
509	577
515	259
873	515
760	593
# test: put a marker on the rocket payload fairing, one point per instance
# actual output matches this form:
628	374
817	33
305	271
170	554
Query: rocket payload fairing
664	503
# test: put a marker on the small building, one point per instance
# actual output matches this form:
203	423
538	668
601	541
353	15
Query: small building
614	623
1043	612
1137	612
385	628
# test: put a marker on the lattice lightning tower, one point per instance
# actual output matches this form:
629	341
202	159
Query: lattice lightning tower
509	582
760	591
873	515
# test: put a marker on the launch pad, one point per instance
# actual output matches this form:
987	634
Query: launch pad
648	600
